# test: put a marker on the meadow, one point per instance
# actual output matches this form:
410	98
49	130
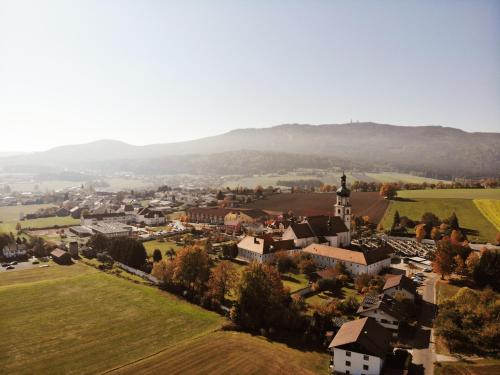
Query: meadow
76	320
231	353
10	215
468	215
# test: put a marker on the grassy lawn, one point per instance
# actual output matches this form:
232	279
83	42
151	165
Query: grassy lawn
294	281
476	367
468	215
231	353
76	320
490	208
451	193
163	246
342	293
445	290
14	213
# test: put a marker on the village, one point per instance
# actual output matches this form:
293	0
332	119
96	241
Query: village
369	296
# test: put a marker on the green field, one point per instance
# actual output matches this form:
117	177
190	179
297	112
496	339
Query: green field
228	353
451	193
326	177
490	208
468	215
76	320
10	215
163	246
469	367
401	177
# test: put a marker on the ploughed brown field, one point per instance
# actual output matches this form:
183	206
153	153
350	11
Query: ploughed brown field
363	204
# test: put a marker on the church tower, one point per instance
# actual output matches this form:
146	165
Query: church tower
343	206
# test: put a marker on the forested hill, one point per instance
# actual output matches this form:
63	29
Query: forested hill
431	149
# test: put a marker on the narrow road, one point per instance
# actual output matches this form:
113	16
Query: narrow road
423	354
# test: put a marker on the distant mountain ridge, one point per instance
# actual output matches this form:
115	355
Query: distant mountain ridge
436	150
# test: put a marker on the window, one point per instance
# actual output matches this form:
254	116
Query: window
348	354
365	367
366	358
347	363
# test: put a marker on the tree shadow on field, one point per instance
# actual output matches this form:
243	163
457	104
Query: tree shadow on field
400	199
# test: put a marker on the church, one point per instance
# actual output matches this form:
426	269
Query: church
333	231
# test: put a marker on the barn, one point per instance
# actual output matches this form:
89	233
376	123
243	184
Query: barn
61	257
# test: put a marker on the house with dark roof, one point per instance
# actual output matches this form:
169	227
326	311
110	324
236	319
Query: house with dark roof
60	256
360	347
381	308
261	249
150	216
329	230
14	250
400	285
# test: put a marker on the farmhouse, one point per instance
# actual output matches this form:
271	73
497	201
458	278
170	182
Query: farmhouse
356	262
207	215
401	285
360	347
14	250
61	257
261	249
381	308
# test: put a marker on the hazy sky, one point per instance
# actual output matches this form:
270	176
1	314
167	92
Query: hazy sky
161	71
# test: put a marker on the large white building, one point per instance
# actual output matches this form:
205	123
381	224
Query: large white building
118	217
260	249
360	347
356	262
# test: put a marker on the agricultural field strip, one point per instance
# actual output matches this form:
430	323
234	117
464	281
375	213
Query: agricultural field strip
490	208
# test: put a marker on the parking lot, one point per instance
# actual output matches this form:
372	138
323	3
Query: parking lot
20	266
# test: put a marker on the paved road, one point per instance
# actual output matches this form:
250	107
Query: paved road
423	354
20	266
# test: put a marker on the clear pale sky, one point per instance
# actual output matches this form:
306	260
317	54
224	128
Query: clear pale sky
162	71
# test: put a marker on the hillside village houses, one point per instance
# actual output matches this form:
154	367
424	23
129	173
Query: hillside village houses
381	308
14	250
400	285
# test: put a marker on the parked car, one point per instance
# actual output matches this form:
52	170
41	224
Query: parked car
35	262
420	274
14	263
5	264
427	269
10	268
43	265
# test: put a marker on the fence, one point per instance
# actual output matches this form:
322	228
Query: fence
139	273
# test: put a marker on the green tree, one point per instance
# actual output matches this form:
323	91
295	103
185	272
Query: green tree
157	255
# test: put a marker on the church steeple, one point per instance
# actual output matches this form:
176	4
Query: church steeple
343	206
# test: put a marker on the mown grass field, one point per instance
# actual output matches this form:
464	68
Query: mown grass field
76	320
490	208
231	353
468	214
451	193
401	177
295	281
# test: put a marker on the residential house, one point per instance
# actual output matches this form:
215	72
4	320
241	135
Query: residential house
382	309
150	216
400	285
261	249
14	250
360	347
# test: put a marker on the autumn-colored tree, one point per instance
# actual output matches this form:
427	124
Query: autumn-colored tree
284	262
192	268
435	234
18	226
460	267
471	262
456	237
420	232
261	298
388	190
307	266
443	258
380	227
366	219
453	220
397	220
223	278
164	271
